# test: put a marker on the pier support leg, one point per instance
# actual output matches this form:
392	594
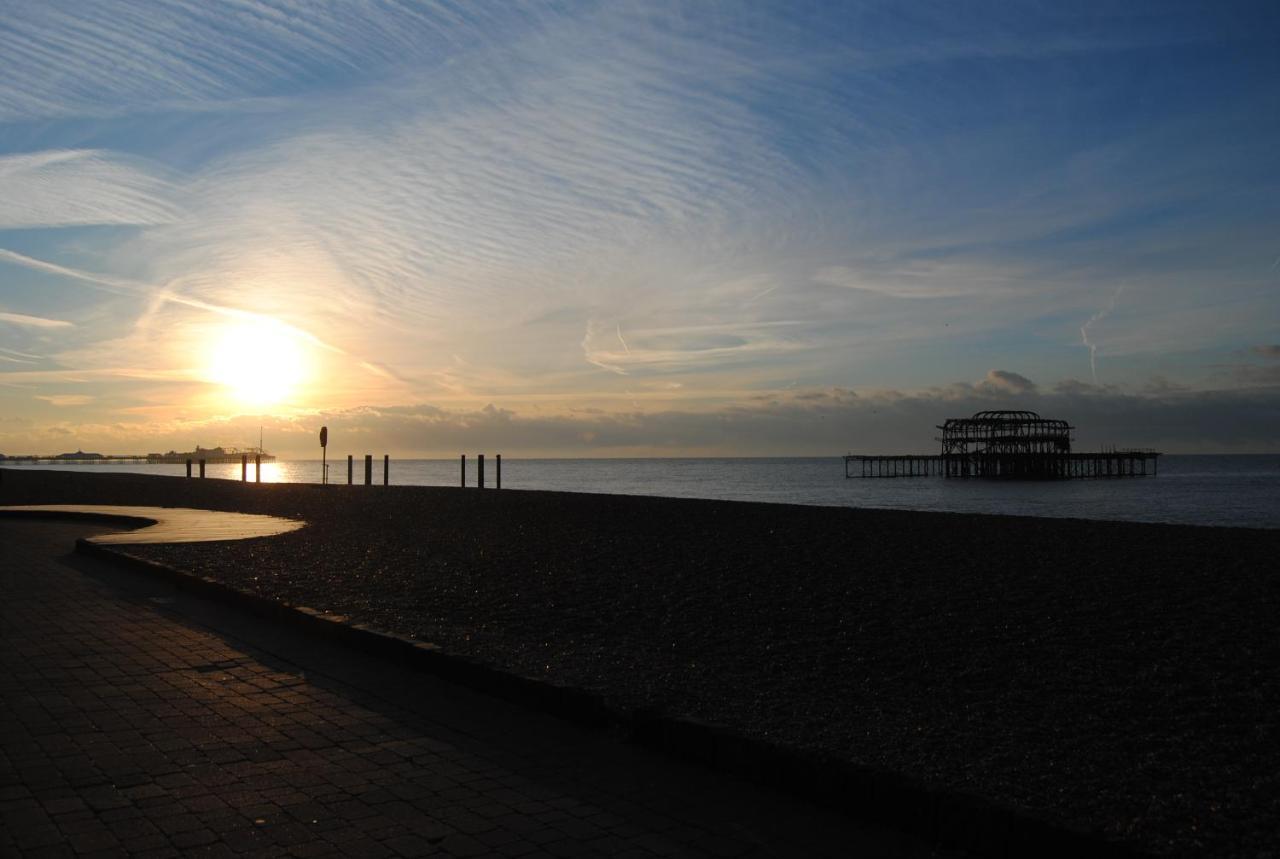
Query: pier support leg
244	468
188	468
202	469
257	468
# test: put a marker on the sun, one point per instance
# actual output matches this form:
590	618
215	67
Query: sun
260	362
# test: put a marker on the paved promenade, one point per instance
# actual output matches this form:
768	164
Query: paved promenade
138	720
169	524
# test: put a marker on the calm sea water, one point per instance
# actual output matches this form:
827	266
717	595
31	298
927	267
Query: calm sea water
1198	490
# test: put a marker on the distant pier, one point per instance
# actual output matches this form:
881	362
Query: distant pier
1007	445
210	455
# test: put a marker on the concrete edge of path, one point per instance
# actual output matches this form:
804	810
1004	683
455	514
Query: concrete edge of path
949	818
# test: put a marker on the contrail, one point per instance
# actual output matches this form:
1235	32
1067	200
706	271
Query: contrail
620	340
108	284
1084	331
21	354
121	286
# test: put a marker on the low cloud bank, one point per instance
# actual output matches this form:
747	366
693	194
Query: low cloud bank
809	422
832	422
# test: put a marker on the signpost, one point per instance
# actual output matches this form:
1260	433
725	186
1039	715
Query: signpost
324	465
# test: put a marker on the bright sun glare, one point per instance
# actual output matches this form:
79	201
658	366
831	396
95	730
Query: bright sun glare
259	361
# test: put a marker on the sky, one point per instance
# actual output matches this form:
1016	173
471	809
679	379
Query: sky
643	228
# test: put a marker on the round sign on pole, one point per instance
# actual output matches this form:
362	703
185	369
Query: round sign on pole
324	436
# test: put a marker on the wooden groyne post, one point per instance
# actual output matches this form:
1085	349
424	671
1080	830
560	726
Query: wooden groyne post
386	469
497	483
368	469
349	460
480	471
464	471
244	468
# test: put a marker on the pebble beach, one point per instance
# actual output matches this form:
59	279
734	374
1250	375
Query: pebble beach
1116	677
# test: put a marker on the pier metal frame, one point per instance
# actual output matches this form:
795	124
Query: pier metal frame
1007	445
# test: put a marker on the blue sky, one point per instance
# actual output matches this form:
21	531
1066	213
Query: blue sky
611	228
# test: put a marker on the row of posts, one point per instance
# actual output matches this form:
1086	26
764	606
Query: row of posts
244	468
368	469
480	471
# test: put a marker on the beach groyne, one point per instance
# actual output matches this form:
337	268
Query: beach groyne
1106	678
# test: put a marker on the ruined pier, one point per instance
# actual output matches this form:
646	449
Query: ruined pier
1007	445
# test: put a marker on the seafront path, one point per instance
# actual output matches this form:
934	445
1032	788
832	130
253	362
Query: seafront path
136	719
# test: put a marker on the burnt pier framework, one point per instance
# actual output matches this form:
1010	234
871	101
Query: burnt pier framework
1007	445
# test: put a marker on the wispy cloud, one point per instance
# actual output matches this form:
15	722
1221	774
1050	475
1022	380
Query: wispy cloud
609	203
118	285
681	349
62	58
65	399
14	353
157	294
33	321
69	187
929	278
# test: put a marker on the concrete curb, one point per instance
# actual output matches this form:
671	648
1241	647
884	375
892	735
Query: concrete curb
950	819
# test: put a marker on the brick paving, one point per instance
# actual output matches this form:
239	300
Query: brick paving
136	720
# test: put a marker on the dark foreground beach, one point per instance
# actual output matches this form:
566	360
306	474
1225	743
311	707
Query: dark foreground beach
1114	677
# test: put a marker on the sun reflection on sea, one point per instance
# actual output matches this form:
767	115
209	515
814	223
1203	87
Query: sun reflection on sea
271	472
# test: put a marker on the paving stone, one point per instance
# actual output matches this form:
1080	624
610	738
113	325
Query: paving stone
194	838
88	842
181	727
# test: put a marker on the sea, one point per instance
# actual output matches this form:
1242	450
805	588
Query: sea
1238	490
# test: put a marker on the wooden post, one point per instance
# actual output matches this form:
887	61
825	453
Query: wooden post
349	469
497	483
386	469
324	453
244	468
188	468
464	471
202	469
368	469
257	468
480	471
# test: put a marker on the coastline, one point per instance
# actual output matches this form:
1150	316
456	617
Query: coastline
1230	491
1115	677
